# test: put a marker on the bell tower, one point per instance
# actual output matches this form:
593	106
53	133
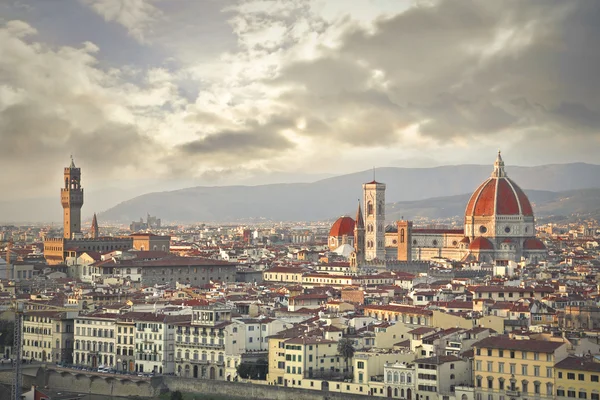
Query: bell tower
374	203
71	198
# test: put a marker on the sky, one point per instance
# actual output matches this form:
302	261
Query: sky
152	95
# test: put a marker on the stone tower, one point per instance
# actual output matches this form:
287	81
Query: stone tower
359	239
404	240
374	201
94	231
71	198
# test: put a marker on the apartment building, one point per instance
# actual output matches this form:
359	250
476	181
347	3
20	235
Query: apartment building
95	340
257	331
438	376
48	336
506	368
125	342
310	357
155	342
201	343
577	377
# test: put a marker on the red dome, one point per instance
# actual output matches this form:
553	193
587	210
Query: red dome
343	226
499	196
481	243
533	244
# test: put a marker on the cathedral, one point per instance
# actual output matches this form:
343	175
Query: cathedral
499	226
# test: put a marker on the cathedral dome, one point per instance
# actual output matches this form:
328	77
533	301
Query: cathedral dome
533	244
343	226
481	243
498	195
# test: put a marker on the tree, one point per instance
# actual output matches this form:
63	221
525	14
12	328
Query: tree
346	349
176	395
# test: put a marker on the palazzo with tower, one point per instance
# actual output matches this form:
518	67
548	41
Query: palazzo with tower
499	226
74	242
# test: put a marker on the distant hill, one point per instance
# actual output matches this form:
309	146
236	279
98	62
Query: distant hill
545	203
428	192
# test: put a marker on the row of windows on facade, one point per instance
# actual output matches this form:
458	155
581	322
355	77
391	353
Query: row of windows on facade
512	353
95	346
45	344
204	331
513	368
405	319
107	333
511	385
204	356
204	341
582	394
100	359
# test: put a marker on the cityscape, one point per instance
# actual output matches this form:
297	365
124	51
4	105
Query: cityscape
282	213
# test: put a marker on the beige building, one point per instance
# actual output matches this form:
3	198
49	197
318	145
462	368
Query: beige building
48	336
201	344
400	313
95	340
125	343
284	275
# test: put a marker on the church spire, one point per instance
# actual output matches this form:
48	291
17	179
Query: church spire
94	231
499	167
360	223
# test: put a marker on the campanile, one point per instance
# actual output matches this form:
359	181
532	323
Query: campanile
71	198
374	201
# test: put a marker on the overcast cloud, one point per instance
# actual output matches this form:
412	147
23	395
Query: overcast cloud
220	92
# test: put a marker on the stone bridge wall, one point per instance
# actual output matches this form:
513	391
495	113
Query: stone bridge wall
251	391
81	383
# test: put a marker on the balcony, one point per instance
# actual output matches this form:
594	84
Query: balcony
513	393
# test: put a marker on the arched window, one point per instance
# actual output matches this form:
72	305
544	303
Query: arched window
389	376
408	378
395	377
402	377
370	208
549	390
452	376
402	235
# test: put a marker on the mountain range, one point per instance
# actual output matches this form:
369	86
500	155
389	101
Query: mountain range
441	192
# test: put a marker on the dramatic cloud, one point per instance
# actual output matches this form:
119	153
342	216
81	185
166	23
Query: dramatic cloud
227	91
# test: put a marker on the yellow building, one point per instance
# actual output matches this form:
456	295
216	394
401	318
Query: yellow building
284	275
577	378
507	368
399	313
